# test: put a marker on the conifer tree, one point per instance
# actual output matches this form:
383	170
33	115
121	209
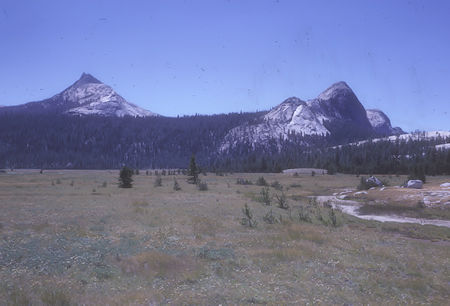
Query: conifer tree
193	171
125	177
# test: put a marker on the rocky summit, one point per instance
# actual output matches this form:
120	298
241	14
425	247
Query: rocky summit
87	96
381	123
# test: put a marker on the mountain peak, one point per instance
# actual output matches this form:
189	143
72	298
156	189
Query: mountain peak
341	85
293	100
339	88
284	111
86	78
87	96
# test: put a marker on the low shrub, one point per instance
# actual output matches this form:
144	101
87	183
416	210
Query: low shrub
158	181
248	220
304	215
276	185
282	201
261	181
176	186
385	182
421	204
318	214
241	181
265	196
202	186
270	218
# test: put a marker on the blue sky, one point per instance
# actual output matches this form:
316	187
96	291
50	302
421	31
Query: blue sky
218	56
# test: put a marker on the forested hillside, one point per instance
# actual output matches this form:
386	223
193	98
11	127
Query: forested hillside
97	142
94	142
387	157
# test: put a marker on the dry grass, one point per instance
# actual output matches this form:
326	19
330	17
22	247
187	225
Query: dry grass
153	264
56	297
313	233
140	207
154	245
204	227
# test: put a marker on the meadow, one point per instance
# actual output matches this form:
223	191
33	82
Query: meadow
73	237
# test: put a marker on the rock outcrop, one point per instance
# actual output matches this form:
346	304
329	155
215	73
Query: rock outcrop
336	112
381	123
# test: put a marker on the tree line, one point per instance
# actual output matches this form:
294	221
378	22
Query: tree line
92	142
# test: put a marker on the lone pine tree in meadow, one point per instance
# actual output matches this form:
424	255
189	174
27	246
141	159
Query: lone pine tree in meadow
125	177
193	171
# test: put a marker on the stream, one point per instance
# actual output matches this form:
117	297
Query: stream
352	208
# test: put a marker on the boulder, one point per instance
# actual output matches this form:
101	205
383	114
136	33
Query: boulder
418	184
445	185
374	182
360	192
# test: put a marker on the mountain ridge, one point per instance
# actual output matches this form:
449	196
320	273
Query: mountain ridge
335	112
